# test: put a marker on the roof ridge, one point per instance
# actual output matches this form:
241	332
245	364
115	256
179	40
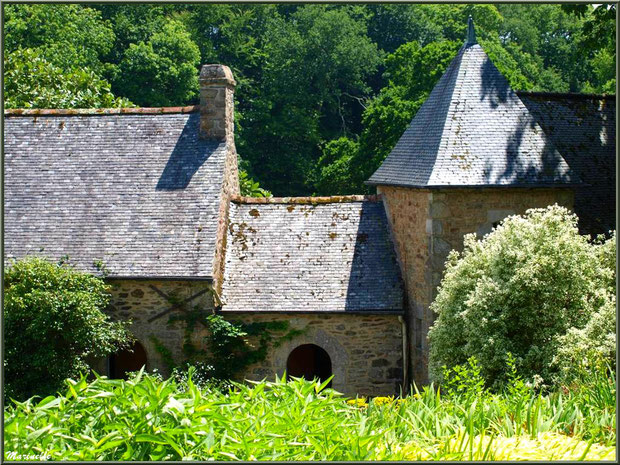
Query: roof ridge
566	95
99	111
453	109
306	200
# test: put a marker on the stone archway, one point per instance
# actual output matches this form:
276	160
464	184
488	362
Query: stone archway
309	361
328	343
127	360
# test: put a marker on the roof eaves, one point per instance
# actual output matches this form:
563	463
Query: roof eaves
566	95
305	200
99	111
160	278
339	312
478	186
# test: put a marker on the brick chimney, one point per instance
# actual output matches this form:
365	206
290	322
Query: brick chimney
217	87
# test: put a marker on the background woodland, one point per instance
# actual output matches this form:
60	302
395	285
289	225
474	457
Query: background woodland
324	91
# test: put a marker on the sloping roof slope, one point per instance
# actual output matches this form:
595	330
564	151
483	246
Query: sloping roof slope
473	131
583	128
328	257
136	193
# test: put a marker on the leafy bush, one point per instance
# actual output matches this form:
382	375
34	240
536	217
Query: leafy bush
464	381
229	348
53	321
529	287
146	418
202	376
249	187
582	349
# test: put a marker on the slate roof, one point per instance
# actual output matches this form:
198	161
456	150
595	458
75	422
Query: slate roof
138	192
583	128
473	130
327	257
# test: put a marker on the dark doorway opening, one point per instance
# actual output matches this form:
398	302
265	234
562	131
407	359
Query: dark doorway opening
309	361
126	361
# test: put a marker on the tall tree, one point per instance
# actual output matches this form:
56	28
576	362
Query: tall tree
68	36
317	60
162	71
54	57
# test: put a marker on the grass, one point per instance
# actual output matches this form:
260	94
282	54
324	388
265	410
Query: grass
149	419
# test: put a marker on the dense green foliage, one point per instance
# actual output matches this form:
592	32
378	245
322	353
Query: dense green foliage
33	82
249	187
54	58
324	91
533	287
53	314
149	419
161	71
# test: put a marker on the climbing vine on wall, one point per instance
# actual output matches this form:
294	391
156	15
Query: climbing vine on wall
164	352
227	349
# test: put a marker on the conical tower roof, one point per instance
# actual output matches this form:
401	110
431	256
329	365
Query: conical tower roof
473	130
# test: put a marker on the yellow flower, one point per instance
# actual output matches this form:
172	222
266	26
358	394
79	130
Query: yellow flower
359	402
383	400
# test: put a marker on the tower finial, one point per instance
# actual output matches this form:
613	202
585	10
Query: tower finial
471	33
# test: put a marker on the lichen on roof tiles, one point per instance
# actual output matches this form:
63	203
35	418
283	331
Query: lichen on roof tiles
311	258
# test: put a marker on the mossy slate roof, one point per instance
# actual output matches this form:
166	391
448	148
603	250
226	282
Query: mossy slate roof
473	130
138	193
328	257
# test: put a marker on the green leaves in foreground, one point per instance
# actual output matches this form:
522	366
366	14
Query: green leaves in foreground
148	419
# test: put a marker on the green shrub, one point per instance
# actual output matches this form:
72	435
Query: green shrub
249	187
53	321
464	381
527	288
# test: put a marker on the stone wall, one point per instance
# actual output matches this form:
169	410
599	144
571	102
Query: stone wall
407	211
138	301
426	224
230	188
365	350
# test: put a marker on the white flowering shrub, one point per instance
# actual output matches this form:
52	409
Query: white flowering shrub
581	349
531	287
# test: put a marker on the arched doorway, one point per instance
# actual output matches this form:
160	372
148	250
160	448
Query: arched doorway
125	361
309	361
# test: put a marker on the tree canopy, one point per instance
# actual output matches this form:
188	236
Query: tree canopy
324	91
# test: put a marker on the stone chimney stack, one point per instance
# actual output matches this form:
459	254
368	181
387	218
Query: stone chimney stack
217	87
217	123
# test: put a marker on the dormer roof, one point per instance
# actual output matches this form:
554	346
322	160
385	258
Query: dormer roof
474	131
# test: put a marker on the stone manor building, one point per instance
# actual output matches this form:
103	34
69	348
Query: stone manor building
149	197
